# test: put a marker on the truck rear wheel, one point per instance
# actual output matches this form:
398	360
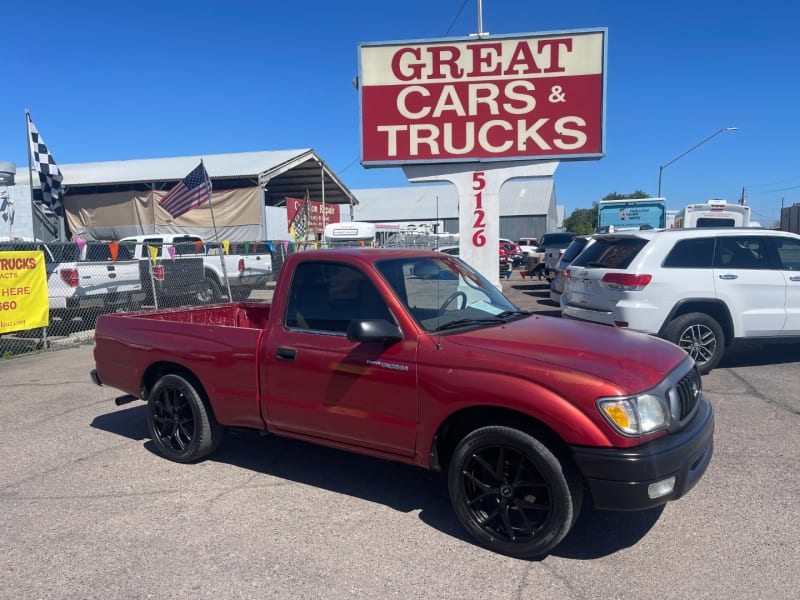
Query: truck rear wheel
209	292
181	425
512	493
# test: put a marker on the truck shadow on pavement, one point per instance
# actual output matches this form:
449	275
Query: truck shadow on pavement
401	487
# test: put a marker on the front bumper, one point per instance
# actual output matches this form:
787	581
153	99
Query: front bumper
618	478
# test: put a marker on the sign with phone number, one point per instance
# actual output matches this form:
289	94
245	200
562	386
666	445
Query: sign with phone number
23	291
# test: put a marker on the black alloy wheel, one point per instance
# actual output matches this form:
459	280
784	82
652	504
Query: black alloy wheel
512	493
180	424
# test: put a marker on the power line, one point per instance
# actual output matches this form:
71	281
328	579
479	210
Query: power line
460	10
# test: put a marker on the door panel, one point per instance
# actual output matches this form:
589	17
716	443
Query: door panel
788	250
358	393
748	283
318	383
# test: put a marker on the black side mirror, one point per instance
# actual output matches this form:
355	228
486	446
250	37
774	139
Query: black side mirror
373	330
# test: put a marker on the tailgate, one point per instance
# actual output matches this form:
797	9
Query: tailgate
108	278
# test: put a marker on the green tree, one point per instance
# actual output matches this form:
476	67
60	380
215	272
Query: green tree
634	195
584	220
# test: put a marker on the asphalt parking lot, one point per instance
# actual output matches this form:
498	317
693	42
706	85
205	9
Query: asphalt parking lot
88	509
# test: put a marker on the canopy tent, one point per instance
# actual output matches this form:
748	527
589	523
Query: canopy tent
113	199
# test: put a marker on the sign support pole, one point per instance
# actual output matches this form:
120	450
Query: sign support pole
478	186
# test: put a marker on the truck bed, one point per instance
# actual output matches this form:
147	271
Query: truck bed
248	315
218	343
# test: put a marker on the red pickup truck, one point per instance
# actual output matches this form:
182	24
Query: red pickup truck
414	357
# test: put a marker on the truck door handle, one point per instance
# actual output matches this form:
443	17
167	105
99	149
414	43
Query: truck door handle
729	276
794	278
286	354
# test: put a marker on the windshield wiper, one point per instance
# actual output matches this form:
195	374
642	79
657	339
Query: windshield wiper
513	313
465	322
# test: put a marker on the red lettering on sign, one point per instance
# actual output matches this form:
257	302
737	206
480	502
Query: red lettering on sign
479	225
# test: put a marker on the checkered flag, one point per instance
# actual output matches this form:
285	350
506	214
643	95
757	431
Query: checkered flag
6	207
49	174
299	225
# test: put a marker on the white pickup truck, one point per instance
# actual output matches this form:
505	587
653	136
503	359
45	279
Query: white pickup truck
247	267
84	281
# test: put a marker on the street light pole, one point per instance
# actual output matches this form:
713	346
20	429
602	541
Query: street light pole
680	156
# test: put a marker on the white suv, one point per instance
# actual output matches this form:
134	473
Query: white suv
698	288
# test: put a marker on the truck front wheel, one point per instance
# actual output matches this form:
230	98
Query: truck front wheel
512	493
181	425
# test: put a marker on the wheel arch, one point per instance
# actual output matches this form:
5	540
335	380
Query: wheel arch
462	422
212	275
158	370
710	306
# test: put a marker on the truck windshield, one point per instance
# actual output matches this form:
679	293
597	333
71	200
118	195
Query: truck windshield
446	294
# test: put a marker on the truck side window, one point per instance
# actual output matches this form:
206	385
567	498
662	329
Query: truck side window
325	297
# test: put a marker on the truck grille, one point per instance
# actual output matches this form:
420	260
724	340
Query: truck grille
686	395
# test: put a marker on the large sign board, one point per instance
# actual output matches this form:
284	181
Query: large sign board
527	96
23	291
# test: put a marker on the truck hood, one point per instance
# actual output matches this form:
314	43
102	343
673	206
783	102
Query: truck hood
632	360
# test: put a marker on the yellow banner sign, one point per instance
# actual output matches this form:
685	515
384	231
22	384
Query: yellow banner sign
23	291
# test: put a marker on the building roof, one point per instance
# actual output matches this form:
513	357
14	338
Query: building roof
235	165
281	172
431	202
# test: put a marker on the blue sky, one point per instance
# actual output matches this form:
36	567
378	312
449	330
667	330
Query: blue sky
116	81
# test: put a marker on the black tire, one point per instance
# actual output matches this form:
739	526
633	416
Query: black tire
180	423
701	336
511	493
209	292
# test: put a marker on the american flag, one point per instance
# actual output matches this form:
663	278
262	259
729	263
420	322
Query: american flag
194	190
49	174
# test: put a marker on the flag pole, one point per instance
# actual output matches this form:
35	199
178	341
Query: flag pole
216	237
30	177
30	167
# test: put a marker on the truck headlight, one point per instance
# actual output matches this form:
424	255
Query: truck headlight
635	415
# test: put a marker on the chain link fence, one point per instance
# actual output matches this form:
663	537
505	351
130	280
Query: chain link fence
85	281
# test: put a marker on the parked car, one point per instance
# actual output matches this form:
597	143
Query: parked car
579	242
698	288
528	245
513	252
553	246
415	357
239	272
